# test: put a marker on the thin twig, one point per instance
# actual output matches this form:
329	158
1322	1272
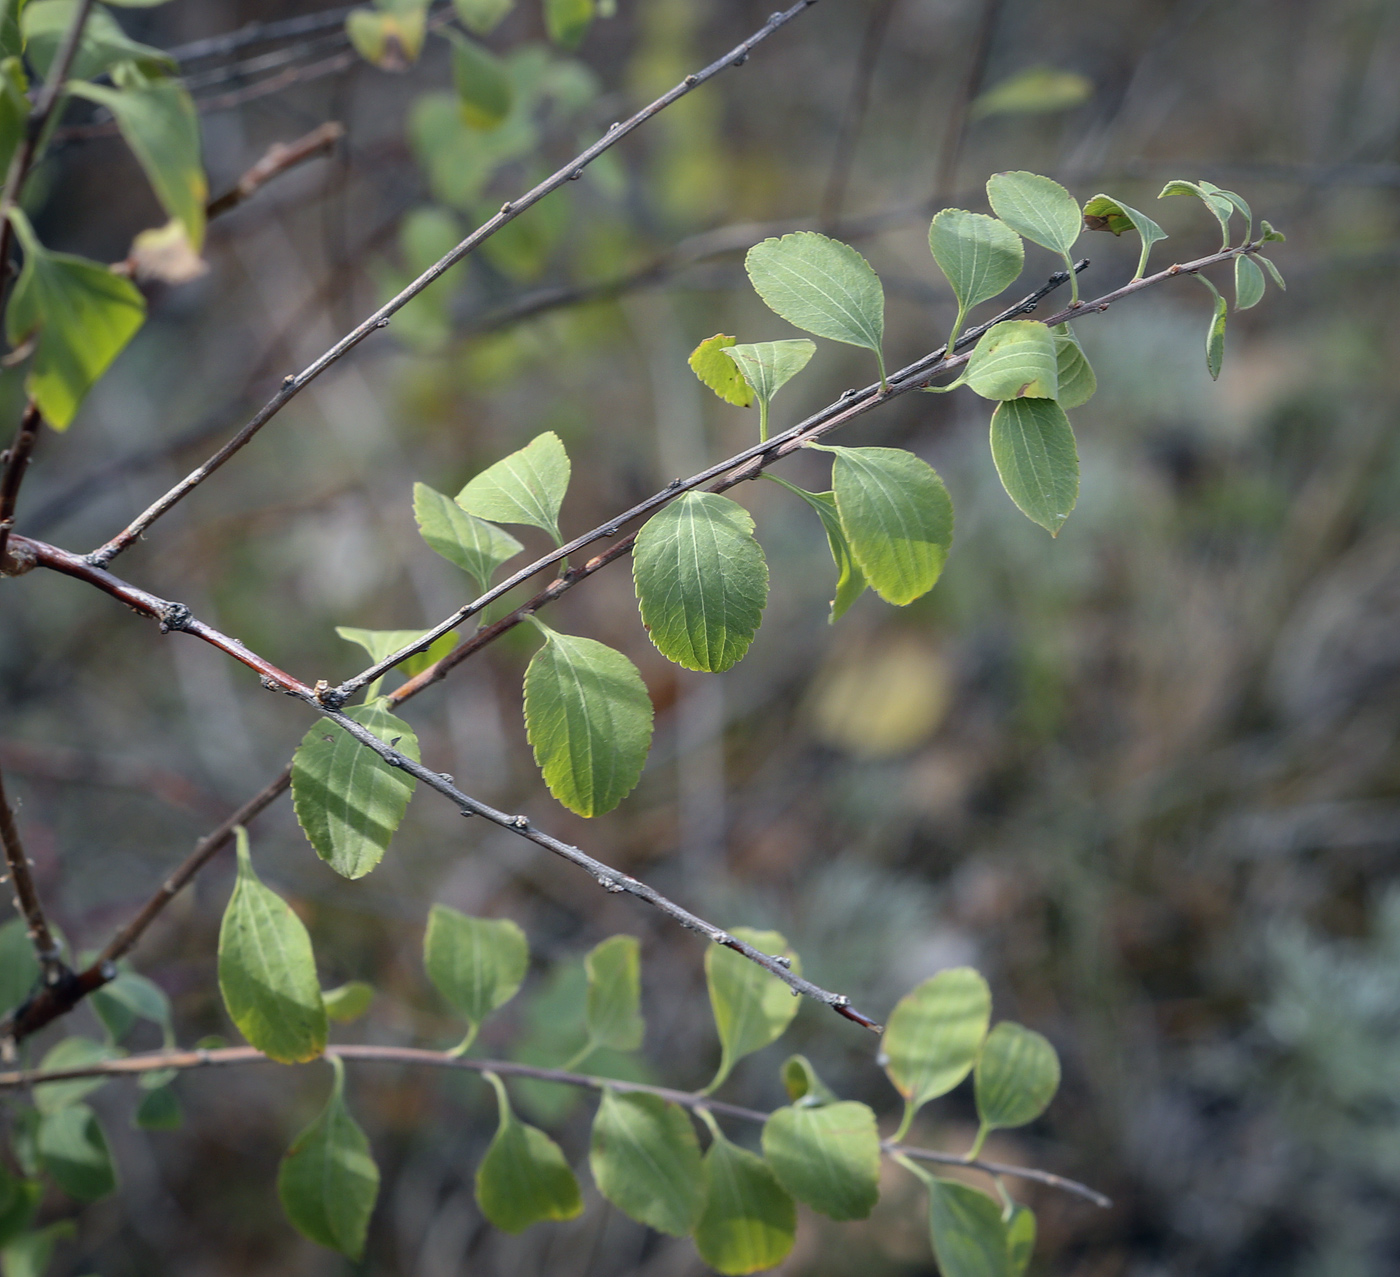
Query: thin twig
279	158
27	895
16	461
157	1061
955	127
294	383
856	106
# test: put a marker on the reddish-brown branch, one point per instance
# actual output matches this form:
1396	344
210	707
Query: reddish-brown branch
280	157
26	895
16	461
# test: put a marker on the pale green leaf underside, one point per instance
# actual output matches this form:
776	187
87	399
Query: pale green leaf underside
1016	1076
1215	334
767	366
588	718
827	1157
613	1006
1037	207
751	1007
1103	212
475	546
348	800
526	487
934	1034
897	517
1076	377
646	1161
719	372
348	1002
1249	283
980	255
267	971
750	1220
1033	447
850	580
381	644
1013	360
523	1178
969	1237
477	964
701	581
821	286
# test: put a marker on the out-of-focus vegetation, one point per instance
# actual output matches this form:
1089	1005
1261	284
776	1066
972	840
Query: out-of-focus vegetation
1145	776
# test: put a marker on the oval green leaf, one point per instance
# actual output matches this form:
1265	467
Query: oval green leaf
1033	447
613	1006
1037	207
348	800
73	1149
769	365
481	81
482	16
348	1002
1104	213
719	372
103	45
821	286
897	517
523	1178
1215	334
980	255
1033	91
128	998
751	1007
588	718
827	1157
701	581
646	1161
1249	283
159	1110
1075	376
328	1181
475	546
934	1034
267	972
19	968
1015	359
1016	1076
567	21
1020	1239
526	487
969	1237
749	1221
804	1087
477	964
1218	204
82	315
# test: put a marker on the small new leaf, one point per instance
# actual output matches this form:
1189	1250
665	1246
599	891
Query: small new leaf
719	372
1215	200
1016	1076
701	581
614	1017
348	800
827	1157
1215	334
328	1181
523	1178
769	365
749	1221
526	487
475	546
1033	447
588	718
751	1007
1020	1239
1015	359
477	964
1249	283
804	1087
1037	207
935	1033
1104	213
381	644
267	971
646	1161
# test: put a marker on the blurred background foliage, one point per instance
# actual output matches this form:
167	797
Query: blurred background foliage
1146	776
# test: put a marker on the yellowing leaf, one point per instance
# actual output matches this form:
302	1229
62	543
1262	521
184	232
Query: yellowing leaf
719	372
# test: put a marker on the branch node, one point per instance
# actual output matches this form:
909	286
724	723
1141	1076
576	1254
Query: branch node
520	822
382	323
289	381
575	175
741	59
174	616
328	697
506	207
692	79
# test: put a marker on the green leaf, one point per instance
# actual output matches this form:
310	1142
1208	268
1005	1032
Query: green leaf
477	964
348	1002
482	16
159	1110
646	1161
934	1034
14	105
701	581
71	1053
805	1089
821	286
1037	207
1020	1240
1076	377
327	1182
719	372
1016	1076
749	1221
969	1237
73	1149
1249	283
381	644
1104	213
567	21
1034	91
828	1157
850	580
615	994
104	44
121	1002
348	800
897	517
1219	205
588	718
475	546
523	1178
19	1200
1274	272
30	1255
1270	235
526	487
390	40
19	968
481	82
1015	359
751	1007
161	126
1237	200
1033	447
11	39
82	314
980	256
1215	334
769	365
267	971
